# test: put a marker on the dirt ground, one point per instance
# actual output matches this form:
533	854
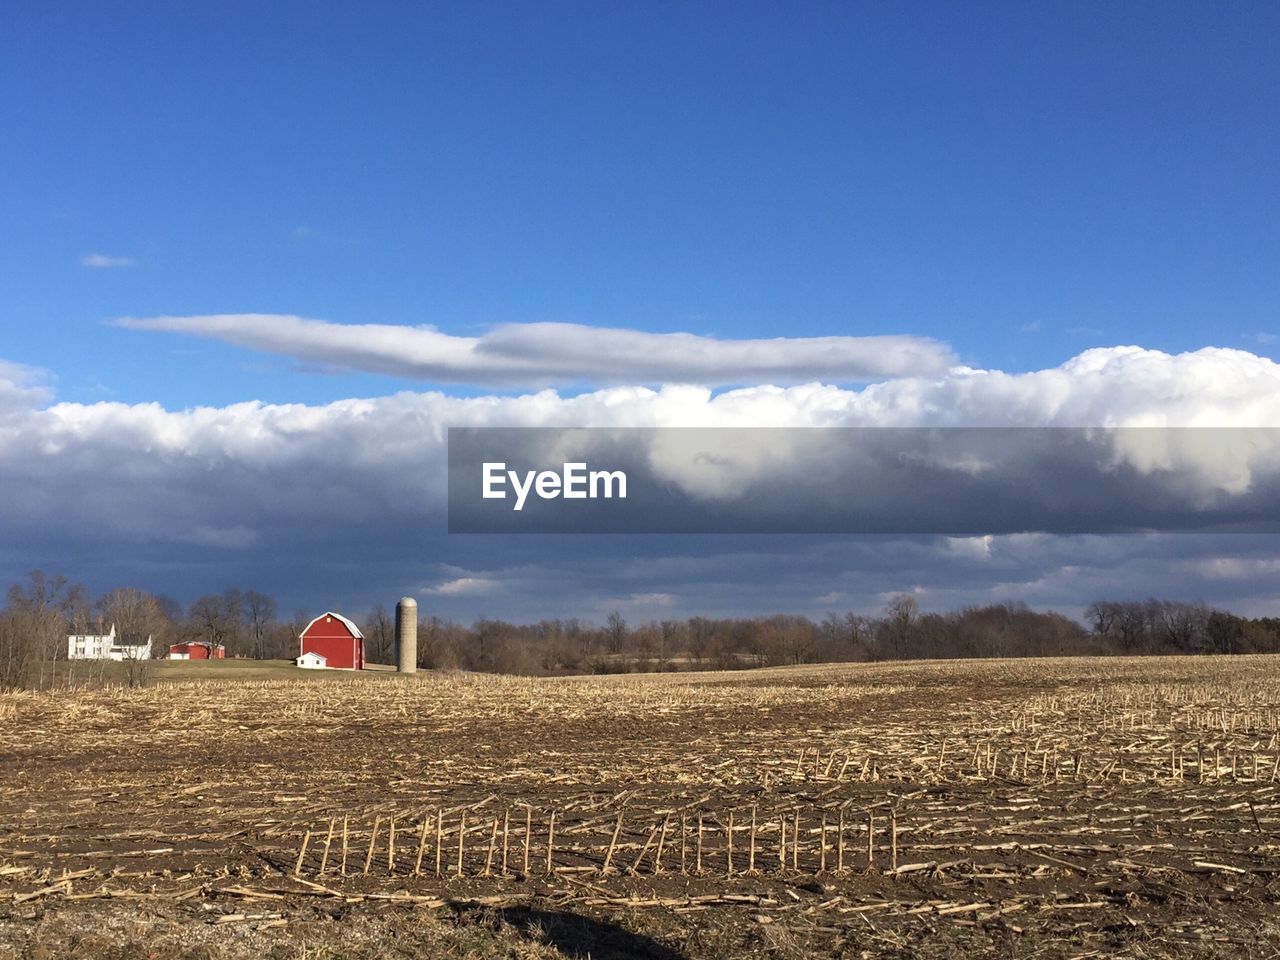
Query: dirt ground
1048	808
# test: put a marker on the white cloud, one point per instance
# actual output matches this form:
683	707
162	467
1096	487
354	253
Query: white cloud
973	548
462	587
100	261
225	467
359	484
539	354
23	387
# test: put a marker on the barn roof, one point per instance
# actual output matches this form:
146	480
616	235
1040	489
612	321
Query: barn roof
355	631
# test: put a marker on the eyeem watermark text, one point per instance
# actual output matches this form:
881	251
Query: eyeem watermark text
952	481
573	482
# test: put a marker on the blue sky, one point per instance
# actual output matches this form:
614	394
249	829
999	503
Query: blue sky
1020	181
1010	184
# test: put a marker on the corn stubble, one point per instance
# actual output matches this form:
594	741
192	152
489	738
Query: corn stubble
1018	798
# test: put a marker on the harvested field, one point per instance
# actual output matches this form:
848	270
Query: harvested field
1023	808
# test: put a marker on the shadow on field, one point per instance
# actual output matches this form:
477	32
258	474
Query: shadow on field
583	937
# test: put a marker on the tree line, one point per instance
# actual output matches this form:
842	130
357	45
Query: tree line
41	611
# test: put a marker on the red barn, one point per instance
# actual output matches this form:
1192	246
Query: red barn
337	639
196	650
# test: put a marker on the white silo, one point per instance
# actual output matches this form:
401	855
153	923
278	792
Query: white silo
407	635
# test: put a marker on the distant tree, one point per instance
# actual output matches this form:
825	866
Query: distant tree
900	616
297	623
137	666
615	633
548	646
701	631
15	651
1223	632
380	635
170	607
858	633
488	646
1132	623
830	636
581	639
784	639
645	639
138	618
671	636
43	609
217	618
260	613
1103	616
1183	625
759	641
1261	635
439	643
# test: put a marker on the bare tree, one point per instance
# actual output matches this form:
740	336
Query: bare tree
380	635
138	618
615	633
858	633
701	631
581	638
645	640
673	632
43	609
137	667
260	612
216	618
142	629
900	616
1183	625
297	623
15	651
1102	616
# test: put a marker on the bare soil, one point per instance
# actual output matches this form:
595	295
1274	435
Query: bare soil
1048	808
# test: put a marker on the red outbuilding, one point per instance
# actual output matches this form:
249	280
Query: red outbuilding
196	650
336	639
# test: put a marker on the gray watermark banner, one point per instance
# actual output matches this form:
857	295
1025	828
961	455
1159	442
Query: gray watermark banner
863	480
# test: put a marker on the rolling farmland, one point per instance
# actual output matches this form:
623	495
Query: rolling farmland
1034	807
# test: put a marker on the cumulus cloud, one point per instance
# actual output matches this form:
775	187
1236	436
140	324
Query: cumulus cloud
463	586
350	496
974	548
101	261
387	452
539	354
22	387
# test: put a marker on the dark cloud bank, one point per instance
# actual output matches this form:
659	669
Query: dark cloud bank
345	504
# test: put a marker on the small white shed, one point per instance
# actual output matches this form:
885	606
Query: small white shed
312	661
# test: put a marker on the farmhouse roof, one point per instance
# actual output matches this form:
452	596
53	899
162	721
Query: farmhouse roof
100	634
355	631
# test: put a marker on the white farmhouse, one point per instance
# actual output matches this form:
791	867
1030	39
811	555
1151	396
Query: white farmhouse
312	661
92	646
